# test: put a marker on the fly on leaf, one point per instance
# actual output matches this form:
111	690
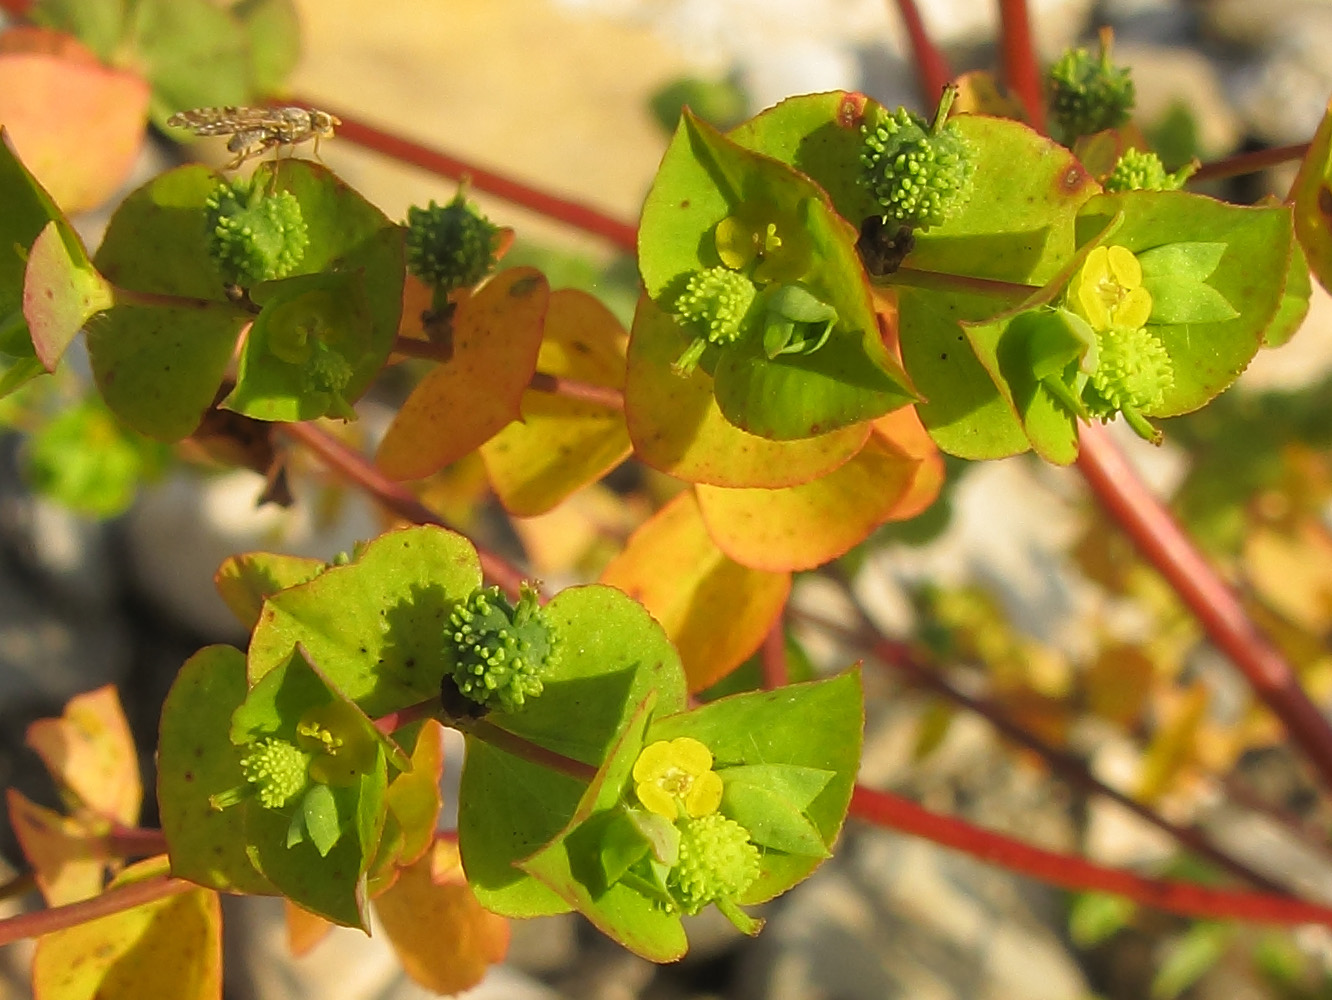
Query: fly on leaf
254	130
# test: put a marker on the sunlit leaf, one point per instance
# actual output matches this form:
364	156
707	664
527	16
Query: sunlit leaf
61	291
715	610
91	755
245	581
67	853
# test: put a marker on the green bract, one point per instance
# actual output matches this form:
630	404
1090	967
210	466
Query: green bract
1088	93
500	650
716	206
254	235
919	174
450	246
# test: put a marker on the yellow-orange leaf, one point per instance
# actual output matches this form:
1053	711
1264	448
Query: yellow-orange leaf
66	853
463	402
90	754
1118	683
443	937
715	610
169	949
562	443
414	795
1290	570
76	124
1172	747
895	476
304	929
676	426
581	532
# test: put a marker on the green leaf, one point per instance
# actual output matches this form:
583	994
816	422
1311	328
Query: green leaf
570	865
1184	300
773	821
28	210
194	54
195	760
98	24
816	726
1095	917
1017	227
1251	276
614	655
373	626
61	291
319	817
1190	957
1294	300
1185	261
273	36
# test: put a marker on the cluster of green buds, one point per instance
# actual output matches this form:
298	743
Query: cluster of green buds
296	329
705	857
498	650
1143	171
254	234
918	173
332	746
450	246
764	252
1089	93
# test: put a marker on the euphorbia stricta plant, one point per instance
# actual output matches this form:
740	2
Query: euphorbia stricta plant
833	292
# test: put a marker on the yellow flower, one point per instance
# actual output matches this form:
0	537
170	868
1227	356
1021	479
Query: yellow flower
760	231
677	775
1107	290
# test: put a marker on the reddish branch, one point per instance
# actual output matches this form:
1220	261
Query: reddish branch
590	220
775	671
932	72
894	812
357	469
1248	163
116	900
1217	608
1022	73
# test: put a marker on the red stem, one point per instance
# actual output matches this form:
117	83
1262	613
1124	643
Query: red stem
393	721
591	220
1022	72
932	71
116	900
775	671
896	813
353	466
16	8
136	841
1217	608
1248	163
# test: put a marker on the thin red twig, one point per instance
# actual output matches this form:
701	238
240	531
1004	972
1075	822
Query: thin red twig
1071	872
932	70
1022	72
117	900
1124	496
395	497
566	210
775	672
1248	163
569	388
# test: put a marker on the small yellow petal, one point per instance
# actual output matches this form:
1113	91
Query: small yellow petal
1135	310
691	756
657	800
1092	306
1124	266
653	761
704	795
736	242
1095	268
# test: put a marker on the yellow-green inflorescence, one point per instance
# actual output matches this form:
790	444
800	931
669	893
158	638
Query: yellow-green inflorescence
254	234
1133	369
450	246
501	650
277	770
918	173
713	307
1137	170
717	860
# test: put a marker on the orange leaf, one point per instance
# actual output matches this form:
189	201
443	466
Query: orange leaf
169	949
66	853
465	401
676	426
895	476
443	937
76	125
581	532
304	929
562	444
414	795
90	754
1118	683
715	610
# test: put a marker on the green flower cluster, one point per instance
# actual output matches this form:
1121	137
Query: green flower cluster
713	307
1088	93
500	650
450	246
254	235
919	174
717	862
278	770
1143	171
1133	371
